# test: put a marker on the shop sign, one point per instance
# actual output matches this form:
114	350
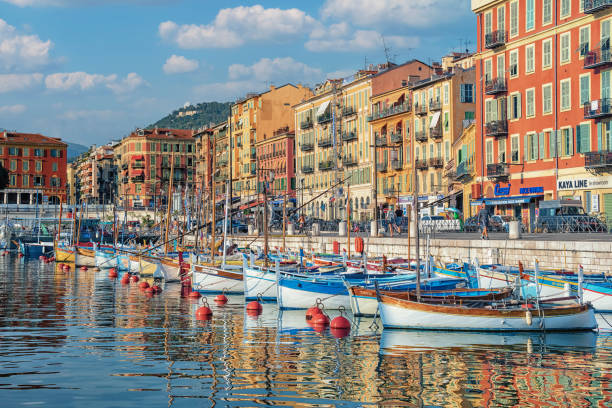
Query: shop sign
583	183
504	191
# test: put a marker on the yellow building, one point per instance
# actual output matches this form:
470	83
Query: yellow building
463	164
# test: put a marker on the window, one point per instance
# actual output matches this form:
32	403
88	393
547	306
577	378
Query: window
547	98
25	165
487	69
515	106
513	63
567	142
25	180
490	110
547	53
585	35
501	66
467	93
530	103
529	15
546	12
585	89
530	58
447	150
26	152
565	47
566	94
501	149
583	138
54	167
13	180
39	166
531	146
514	19
53	153
446	94
501	19
446	124
13	151
565	8
489	152
514	148
13	165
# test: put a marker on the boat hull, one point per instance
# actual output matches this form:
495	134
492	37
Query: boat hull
85	257
303	294
64	255
105	260
207	279
259	283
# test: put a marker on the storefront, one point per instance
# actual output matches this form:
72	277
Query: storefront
595	192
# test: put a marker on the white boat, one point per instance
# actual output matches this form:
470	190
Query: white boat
105	259
214	279
259	282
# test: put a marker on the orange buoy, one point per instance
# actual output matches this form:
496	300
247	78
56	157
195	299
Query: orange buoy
143	285
195	294
359	244
254	305
42	257
320	320
221	299
134	278
340	322
204	312
312	312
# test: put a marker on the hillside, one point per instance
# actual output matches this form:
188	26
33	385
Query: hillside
75	150
195	116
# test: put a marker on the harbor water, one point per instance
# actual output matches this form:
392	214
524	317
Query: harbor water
80	339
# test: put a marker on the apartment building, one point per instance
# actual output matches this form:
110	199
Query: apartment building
36	166
96	175
212	159
544	108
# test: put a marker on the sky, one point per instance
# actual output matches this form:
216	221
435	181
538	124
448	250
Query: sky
89	71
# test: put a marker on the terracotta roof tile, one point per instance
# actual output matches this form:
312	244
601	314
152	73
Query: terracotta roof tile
29	138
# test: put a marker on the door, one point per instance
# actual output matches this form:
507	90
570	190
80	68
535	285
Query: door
532	216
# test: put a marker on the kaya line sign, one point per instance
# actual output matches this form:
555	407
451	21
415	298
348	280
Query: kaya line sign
584	183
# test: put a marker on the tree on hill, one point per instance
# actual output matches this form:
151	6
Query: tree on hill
206	113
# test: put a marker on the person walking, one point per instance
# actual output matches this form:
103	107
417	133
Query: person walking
483	221
391	221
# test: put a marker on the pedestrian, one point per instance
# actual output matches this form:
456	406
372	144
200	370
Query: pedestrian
483	220
301	222
391	221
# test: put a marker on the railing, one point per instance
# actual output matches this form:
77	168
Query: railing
381	140
436	162
420	136
435	104
349	161
497	170
348	136
420	109
307	146
463	171
597	58
593	6
396	164
138	179
222	162
306	124
421	165
397	137
495	86
599	159
348	111
497	128
436	131
324	118
381	167
307	169
326	165
390	111
280	131
495	39
327	142
598	108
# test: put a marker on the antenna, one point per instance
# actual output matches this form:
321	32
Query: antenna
386	49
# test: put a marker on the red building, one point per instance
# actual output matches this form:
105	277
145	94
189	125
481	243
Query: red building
544	107
36	166
276	154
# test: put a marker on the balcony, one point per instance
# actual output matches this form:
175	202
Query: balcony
348	111
435	104
397	137
381	167
593	6
495	39
221	176
420	110
222	162
396	164
435	132
381	140
420	136
326	165
495	86
436	162
307	146
597	58
327	142
421	164
307	124
307	169
138	179
324	118
281	131
598	160
138	165
497	128
348	161
599	108
349	136
497	170
390	111
463	171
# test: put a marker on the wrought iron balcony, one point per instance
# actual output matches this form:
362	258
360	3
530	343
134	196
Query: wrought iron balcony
222	162
138	179
396	164
597	58
593	6
381	140
324	118
390	111
326	165
307	169
306	124
598	160
495	39
495	86
463	171
348	161
497	170
435	104
307	146
381	167
436	162
436	131
327	142
349	136
420	136
421	165
348	111
420	109
397	137
497	128
599	108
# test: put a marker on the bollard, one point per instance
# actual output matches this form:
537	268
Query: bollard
290	228
373	228
342	229
514	232
315	229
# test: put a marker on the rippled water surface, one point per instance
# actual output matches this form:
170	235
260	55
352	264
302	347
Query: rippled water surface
77	339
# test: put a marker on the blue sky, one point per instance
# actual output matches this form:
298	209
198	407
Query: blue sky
93	70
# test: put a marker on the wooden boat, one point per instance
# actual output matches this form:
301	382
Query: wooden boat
85	257
106	258
365	303
64	254
397	313
216	279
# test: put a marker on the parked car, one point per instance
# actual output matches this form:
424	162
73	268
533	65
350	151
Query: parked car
504	221
471	224
237	227
567	216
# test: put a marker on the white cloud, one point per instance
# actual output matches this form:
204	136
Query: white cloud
19	82
22	51
234	27
178	64
340	38
83	81
411	13
277	69
12	109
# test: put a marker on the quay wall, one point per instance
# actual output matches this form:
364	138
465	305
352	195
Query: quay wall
595	257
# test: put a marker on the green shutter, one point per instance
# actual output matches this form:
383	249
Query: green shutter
599	136
526	149
551	145
542	146
585	133
578	138
519	107
571	142
559	143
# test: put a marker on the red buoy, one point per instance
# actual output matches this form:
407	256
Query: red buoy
254	305
143	285
156	288
204	312
83	268
135	278
221	299
112	274
340	322
320	320
125	279
194	294
42	257
340	333
150	290
20	255
312	312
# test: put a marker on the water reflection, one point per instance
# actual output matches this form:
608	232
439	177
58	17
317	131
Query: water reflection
78	338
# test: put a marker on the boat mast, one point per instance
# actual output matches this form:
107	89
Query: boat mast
225	221
348	221
169	203
214	207
59	224
78	233
415	209
284	220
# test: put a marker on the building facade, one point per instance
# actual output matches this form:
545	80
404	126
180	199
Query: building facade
36	166
146	159
544	104
96	172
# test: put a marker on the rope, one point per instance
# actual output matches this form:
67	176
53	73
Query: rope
605	320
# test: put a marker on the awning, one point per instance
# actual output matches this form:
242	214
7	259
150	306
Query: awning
322	108
506	200
444	199
138	157
434	120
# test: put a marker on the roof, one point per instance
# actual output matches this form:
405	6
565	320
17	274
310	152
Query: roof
162	133
30	138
